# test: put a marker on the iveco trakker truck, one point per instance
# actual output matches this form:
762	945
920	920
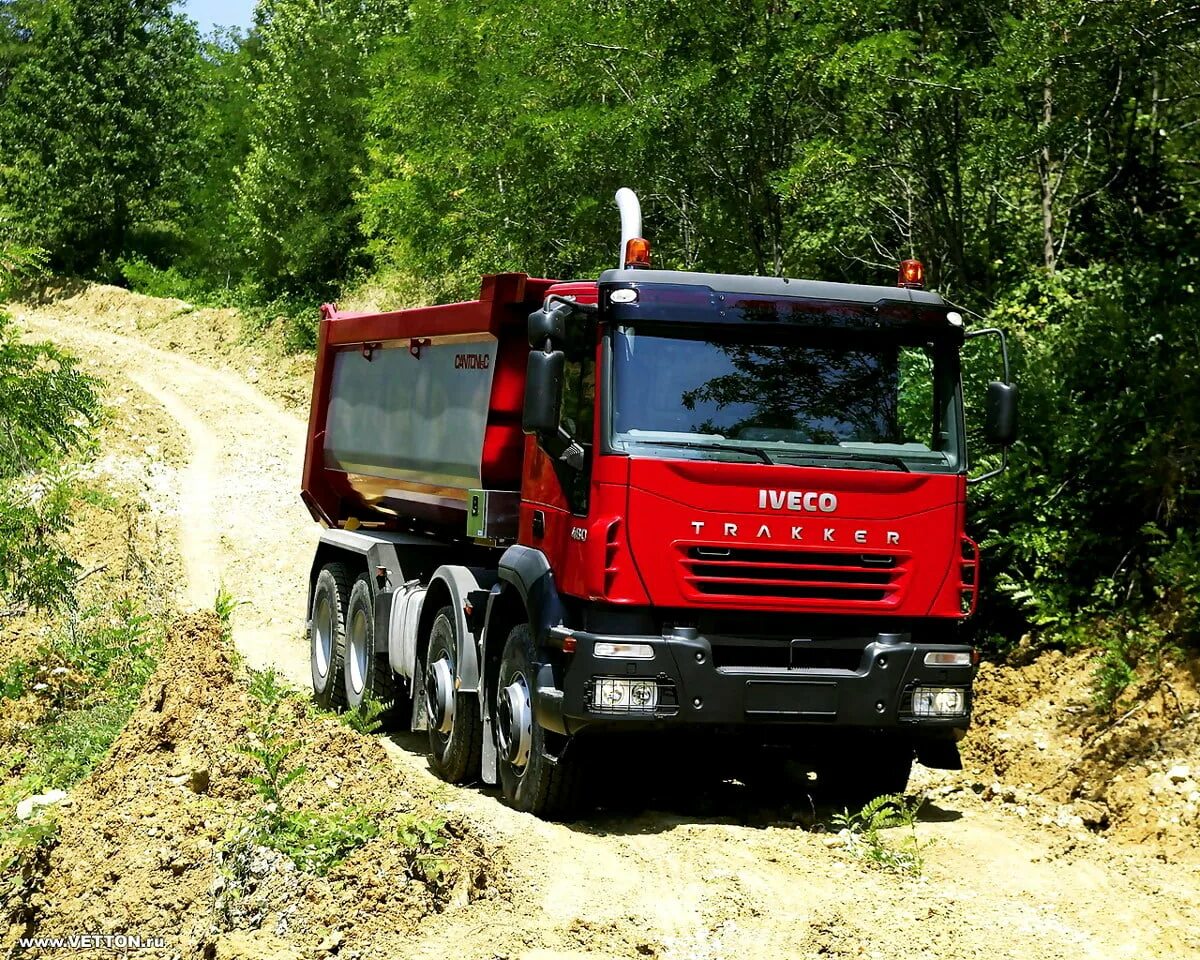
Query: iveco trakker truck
730	506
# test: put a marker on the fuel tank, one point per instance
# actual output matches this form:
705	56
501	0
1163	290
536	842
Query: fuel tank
413	408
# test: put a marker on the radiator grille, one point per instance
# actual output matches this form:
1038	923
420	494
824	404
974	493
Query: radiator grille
792	575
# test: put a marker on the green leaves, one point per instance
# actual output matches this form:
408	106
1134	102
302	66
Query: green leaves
93	113
48	408
865	839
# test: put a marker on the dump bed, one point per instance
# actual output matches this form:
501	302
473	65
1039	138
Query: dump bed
411	409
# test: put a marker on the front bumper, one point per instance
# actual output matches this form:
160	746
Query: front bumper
691	689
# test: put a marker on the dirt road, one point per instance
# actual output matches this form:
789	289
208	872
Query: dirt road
239	521
714	876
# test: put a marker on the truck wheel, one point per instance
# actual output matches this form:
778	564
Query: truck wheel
327	634
455	730
368	675
531	780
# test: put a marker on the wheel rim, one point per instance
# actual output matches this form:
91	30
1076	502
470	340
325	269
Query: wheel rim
356	661
439	695
323	636
514	722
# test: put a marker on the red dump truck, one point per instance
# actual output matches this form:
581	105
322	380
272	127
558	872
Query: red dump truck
731	507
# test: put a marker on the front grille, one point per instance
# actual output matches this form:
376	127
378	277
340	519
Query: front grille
792	575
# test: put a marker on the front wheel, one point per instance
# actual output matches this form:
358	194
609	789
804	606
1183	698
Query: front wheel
532	780
455	730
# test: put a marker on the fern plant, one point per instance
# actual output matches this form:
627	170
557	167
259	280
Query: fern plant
223	606
865	839
367	719
315	840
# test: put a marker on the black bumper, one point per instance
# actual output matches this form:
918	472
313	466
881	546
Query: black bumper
690	689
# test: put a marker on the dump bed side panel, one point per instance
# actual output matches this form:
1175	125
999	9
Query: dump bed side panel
413	408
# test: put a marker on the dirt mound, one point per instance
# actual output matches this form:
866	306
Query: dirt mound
214	336
155	844
1133	776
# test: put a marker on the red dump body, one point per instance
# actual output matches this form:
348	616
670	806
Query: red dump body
413	408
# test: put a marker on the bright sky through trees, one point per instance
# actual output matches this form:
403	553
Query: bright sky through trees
224	13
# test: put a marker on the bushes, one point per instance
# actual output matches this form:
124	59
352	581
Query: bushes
48	407
84	681
1091	530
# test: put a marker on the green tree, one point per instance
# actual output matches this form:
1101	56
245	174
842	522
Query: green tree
47	408
297	219
93	122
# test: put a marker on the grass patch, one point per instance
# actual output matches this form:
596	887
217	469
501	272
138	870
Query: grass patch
81	688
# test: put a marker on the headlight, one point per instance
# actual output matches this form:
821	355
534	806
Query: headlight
939	702
624	695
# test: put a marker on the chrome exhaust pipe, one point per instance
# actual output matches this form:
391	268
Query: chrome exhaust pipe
631	221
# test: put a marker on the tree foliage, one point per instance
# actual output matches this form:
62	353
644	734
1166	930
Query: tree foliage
1039	157
47	407
92	123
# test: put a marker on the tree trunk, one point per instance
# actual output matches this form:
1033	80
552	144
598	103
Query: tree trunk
1046	178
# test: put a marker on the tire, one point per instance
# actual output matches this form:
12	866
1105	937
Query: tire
870	768
327	635
531	780
367	674
455	755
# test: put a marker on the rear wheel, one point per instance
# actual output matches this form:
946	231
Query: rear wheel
327	634
368	675
455	730
531	778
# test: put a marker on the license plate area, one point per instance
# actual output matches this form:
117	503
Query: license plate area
792	698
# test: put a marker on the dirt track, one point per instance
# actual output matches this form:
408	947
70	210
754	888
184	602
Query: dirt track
722	875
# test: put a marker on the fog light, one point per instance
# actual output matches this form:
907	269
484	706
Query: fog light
624	651
944	659
939	702
624	695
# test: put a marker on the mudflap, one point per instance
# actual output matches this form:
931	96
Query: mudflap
939	754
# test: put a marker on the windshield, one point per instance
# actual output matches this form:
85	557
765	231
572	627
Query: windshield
876	401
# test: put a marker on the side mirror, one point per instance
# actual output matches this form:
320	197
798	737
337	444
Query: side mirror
1000	413
548	323
544	376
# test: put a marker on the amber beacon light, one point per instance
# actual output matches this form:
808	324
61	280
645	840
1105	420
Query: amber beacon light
637	254
912	274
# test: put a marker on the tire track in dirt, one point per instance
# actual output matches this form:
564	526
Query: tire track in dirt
682	885
197	536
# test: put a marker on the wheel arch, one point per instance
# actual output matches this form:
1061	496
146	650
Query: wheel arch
525	593
453	587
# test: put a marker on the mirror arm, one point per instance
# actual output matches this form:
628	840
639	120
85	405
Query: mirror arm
993	473
562	446
994	331
589	309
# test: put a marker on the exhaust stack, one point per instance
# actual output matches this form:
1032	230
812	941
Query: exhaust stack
635	251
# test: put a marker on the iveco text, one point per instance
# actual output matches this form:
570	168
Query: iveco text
796	500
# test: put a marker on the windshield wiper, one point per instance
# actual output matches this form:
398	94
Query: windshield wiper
850	458
692	445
